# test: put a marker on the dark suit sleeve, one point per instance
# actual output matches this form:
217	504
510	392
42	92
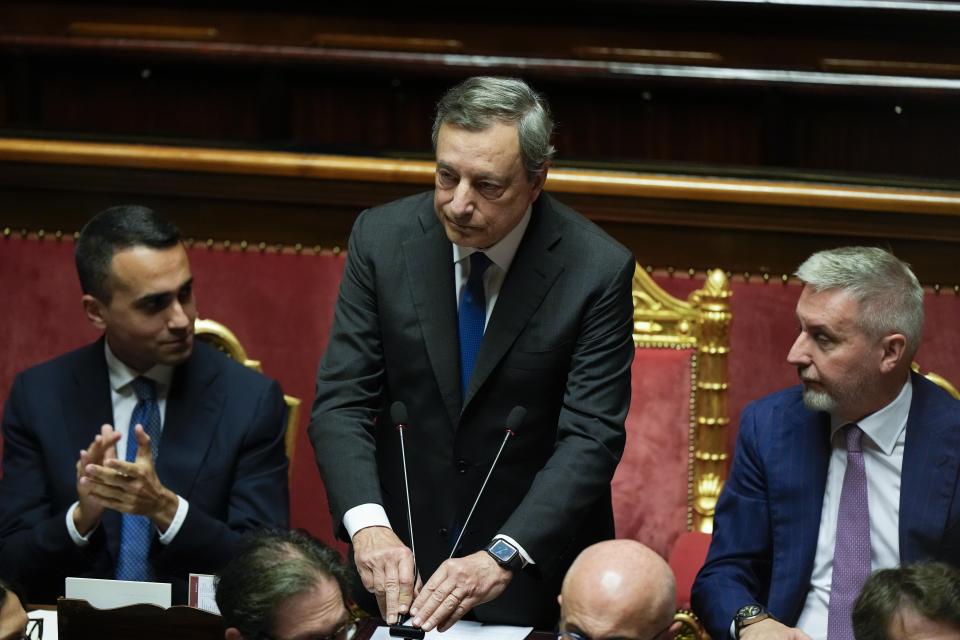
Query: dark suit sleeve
33	534
257	496
590	430
349	388
737	570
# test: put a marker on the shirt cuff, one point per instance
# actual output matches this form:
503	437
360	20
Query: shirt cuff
523	553
366	515
166	537
733	630
79	540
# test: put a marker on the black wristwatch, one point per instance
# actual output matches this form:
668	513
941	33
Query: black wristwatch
748	615
506	555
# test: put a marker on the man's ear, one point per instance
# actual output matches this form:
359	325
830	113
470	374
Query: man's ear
232	633
95	311
894	351
560	599
538	181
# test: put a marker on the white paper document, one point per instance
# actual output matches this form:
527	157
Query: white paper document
109	594
49	623
467	630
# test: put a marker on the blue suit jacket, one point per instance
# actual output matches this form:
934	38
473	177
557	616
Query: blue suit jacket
768	516
221	450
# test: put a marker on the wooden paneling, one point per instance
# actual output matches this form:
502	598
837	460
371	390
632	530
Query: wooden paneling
693	86
744	226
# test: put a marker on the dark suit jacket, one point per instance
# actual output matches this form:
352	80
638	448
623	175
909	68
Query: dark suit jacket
768	516
558	343
221	450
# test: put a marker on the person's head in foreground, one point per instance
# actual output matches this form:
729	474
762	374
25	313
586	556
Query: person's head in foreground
617	590
13	618
861	320
915	602
284	585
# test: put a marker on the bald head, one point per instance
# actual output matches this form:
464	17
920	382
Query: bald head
618	589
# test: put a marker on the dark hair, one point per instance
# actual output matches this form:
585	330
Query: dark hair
112	230
272	567
931	589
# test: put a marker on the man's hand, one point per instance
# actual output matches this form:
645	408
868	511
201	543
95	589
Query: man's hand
133	487
386	568
89	510
458	585
770	629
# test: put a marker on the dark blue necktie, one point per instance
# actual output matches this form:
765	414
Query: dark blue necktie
473	315
136	532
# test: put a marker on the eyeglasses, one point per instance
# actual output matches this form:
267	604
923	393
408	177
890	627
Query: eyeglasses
33	631
346	631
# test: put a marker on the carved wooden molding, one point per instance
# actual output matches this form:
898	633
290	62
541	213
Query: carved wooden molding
571	181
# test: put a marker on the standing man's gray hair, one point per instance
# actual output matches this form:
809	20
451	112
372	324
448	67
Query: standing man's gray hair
477	103
889	294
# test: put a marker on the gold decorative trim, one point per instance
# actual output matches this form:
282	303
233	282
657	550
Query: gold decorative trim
593	182
223	339
141	31
690	627
387	43
702	325
938	380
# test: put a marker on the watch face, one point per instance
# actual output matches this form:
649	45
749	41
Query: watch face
749	611
502	550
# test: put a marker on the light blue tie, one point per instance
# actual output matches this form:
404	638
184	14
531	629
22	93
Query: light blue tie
473	315
136	532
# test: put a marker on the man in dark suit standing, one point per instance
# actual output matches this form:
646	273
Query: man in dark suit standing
180	448
464	303
855	470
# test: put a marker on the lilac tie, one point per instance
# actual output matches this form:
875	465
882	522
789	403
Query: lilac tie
851	555
473	316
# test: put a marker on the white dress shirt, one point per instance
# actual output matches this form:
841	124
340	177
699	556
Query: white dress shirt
501	256
124	402
885	434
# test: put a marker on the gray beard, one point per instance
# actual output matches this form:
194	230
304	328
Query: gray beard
819	401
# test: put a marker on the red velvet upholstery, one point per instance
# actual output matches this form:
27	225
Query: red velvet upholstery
686	558
765	326
650	485
280	306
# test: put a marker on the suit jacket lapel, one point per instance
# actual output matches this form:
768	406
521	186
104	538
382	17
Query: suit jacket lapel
192	415
531	275
928	477
88	405
805	449
429	263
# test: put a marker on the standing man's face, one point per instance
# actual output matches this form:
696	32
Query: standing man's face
482	189
13	619
838	363
150	317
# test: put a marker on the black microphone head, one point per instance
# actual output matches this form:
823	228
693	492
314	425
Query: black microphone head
515	418
398	413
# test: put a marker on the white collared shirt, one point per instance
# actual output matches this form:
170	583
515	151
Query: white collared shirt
124	401
885	435
501	256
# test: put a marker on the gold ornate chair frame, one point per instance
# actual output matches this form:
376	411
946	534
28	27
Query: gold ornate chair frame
222	338
702	324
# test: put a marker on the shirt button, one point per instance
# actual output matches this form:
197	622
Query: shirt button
444	532
462	466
